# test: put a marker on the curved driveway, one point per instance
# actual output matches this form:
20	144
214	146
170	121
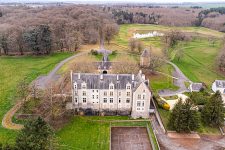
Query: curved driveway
41	82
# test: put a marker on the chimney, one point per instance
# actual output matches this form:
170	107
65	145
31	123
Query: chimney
117	77
132	77
143	76
78	76
101	76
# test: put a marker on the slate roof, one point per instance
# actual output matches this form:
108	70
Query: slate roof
220	83
196	86
145	53
94	81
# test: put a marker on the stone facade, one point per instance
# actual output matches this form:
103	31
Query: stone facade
123	94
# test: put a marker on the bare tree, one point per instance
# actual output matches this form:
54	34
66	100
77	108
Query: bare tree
221	60
139	46
132	44
110	30
23	92
155	62
179	54
125	65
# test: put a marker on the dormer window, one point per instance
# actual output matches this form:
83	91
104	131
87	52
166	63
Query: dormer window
83	85
111	86
128	86
75	85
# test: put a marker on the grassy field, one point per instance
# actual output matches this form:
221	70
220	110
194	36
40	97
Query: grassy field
87	133
127	30
199	61
13	69
160	81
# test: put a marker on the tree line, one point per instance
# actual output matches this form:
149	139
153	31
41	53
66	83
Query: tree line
213	18
42	30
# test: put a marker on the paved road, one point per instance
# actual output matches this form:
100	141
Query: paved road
204	143
179	80
42	81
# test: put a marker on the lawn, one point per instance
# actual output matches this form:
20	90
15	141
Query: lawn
127	30
13	69
87	133
161	81
199	61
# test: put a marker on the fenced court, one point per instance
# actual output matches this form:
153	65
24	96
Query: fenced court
130	138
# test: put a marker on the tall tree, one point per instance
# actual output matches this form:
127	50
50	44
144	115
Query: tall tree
213	112
45	38
39	39
4	43
140	46
132	44
110	30
179	54
36	135
23	92
184	118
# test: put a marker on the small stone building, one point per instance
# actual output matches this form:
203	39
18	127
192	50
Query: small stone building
145	58
119	94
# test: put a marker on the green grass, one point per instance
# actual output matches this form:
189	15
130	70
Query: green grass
87	133
171	97
127	30
14	69
208	130
165	115
161	81
199	61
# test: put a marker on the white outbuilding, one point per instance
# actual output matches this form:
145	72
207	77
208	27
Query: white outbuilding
219	85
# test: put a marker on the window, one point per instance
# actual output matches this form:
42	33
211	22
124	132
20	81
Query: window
143	104
93	91
119	100
104	100
111	87
97	91
143	96
75	86
127	100
83	86
138	108
84	100
75	93
76	100
97	96
128	93
111	100
93	97
138	103
84	93
105	93
111	93
128	87
139	96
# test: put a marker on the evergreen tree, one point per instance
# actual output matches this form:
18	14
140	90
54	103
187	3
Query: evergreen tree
213	112
36	135
184	118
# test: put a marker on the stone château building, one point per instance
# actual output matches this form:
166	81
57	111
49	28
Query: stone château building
119	94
